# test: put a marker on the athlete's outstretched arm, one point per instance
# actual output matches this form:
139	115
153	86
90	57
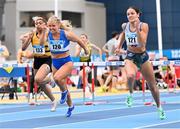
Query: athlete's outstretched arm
121	40
72	37
78	50
26	39
44	35
97	48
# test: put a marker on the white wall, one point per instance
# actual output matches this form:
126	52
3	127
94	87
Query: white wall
48	5
95	23
10	27
94	18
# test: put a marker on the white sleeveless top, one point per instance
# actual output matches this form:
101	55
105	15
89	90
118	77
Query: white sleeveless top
131	37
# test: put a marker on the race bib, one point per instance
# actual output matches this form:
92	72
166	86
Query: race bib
57	46
131	39
37	49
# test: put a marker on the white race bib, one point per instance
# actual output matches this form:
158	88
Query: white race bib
37	49
57	46
131	39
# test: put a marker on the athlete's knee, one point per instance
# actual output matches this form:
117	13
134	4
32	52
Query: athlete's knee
58	80
42	86
114	79
61	82
131	76
38	80
152	87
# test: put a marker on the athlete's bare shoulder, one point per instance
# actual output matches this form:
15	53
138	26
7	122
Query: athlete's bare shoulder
123	26
144	26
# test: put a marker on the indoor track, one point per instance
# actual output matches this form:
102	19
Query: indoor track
108	112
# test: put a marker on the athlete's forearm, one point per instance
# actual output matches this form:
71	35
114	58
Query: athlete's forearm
141	38
83	46
25	44
42	38
142	34
121	40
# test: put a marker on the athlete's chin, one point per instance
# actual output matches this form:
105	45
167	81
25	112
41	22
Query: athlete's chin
53	32
39	28
131	20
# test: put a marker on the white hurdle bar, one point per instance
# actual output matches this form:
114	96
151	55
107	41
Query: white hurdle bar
115	63
121	63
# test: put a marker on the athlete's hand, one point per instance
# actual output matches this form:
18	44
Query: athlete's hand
136	22
87	52
44	27
26	36
119	51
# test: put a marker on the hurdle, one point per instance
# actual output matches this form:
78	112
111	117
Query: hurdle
121	63
92	65
75	65
28	81
28	68
102	64
176	65
13	70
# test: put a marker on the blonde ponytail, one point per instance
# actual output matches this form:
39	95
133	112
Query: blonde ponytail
66	25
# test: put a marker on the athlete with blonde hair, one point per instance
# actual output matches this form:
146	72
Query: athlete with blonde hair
59	38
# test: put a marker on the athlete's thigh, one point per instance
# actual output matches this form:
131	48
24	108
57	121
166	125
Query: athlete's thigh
130	68
64	71
147	72
43	71
53	70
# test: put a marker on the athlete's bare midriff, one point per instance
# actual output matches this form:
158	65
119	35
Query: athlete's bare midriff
136	49
62	55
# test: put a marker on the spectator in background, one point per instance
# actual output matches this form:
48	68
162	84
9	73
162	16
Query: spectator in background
102	76
168	73
111	45
109	48
4	53
86	58
117	82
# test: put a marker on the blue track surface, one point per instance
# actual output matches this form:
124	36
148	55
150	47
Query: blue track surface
109	112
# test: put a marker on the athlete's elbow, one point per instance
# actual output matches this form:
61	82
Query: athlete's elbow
23	48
